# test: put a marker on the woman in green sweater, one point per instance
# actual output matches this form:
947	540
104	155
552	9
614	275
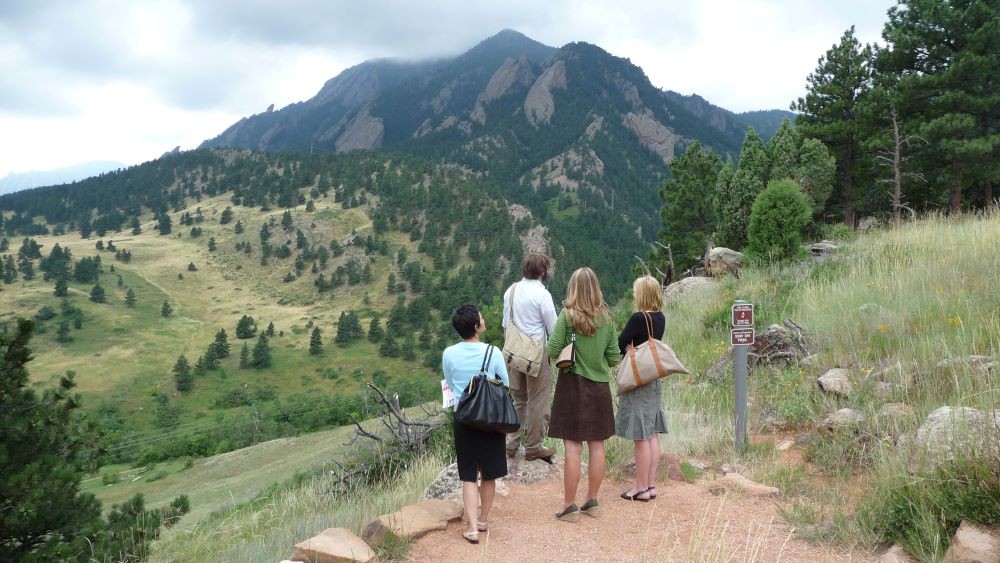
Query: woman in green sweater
581	410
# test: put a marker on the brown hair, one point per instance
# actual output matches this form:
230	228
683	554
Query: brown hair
585	302
647	294
535	266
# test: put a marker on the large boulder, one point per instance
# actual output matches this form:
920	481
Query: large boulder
691	284
974	544
822	248
735	481
446	486
413	521
333	545
836	381
723	261
529	472
952	430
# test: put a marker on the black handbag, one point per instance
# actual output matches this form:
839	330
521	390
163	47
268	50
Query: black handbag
486	404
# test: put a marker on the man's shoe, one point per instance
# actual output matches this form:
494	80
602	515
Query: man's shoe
543	453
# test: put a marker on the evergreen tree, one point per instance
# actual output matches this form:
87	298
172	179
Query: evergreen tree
211	244
286	220
221	344
409	348
62	335
777	221
46	517
389	348
375	332
26	267
815	173
211	357
246	327
265	233
192	267
166	309
315	342
120	282
227	215
199	366
261	357
62	287
238	227
310	206
182	374
734	200
4	244
97	294
136	228
829	113
687	215
270	330
163	224
783	151
245	356
130	298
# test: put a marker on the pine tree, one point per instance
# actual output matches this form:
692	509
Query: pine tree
211	244
286	220
97	294
783	151
828	113
182	374
62	287
687	215
47	517
265	233
166	309
246	327
192	267
222	344
130	298
310	206
270	330
238	228
734	199
62	335
315	342
136	228
245	356
121	282
26	267
199	366
164	224
375	332
261	353
389	348
227	215
815	173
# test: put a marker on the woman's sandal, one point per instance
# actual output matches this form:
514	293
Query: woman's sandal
471	537
482	527
635	496
652	492
569	514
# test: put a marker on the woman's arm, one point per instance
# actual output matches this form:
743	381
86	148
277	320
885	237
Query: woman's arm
498	366
611	354
628	333
557	340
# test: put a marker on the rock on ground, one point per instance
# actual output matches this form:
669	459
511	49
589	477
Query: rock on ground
738	482
723	261
836	381
842	419
333	545
949	430
895	554
974	544
690	284
413	521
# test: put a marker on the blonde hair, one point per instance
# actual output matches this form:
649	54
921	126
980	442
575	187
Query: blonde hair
647	294
584	301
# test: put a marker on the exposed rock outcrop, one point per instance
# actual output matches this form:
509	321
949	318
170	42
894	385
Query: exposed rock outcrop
510	73
413	521
836	381
652	134
364	132
539	106
686	285
974	544
951	431
333	545
722	261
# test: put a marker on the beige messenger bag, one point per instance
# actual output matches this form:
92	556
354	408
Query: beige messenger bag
647	362
521	352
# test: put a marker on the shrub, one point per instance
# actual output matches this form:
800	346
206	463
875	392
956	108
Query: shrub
778	216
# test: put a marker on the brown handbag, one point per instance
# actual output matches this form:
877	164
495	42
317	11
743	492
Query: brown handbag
567	356
647	362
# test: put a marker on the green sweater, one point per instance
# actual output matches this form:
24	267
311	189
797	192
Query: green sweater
594	354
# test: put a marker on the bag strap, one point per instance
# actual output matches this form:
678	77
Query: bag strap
486	357
513	288
649	324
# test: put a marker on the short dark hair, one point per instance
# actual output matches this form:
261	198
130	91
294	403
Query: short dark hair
535	266
465	319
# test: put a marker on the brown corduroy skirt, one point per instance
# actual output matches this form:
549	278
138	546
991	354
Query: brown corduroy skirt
581	409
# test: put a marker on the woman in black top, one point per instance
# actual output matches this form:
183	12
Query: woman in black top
640	415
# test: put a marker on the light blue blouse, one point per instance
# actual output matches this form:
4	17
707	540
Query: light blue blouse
460	362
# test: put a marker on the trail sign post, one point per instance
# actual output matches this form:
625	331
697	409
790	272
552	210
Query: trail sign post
741	337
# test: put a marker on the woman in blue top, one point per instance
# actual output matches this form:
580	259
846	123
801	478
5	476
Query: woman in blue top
480	454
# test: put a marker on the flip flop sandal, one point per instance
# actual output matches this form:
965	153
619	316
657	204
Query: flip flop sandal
482	526
471	537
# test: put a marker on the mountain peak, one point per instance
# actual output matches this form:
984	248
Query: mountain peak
510	43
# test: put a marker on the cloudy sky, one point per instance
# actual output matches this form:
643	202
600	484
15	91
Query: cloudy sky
128	80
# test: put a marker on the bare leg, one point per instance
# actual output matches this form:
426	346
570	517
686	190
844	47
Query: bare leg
486	492
470	496
642	479
595	467
571	471
654	459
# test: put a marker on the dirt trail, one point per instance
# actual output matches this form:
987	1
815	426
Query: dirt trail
687	522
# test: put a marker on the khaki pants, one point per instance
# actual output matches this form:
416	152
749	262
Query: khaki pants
533	403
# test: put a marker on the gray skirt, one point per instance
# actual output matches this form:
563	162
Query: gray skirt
640	412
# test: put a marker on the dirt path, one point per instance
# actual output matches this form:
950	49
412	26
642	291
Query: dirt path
687	522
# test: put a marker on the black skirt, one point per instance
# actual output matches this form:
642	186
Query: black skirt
479	453
581	409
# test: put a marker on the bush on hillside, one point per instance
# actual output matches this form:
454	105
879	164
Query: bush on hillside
779	215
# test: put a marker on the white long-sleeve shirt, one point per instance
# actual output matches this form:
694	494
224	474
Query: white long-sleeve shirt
534	312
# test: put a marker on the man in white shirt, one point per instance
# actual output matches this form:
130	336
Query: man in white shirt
535	315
